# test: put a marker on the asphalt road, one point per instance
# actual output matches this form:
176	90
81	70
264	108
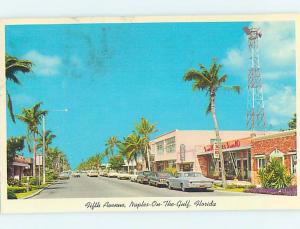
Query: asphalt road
101	187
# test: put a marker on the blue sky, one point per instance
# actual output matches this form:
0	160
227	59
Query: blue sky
110	75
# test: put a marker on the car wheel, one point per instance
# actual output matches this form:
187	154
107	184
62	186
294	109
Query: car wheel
169	186
156	184
183	188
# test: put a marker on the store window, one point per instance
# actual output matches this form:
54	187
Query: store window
261	162
160	147
293	164
170	145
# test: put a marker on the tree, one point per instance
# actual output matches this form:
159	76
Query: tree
32	118
116	162
293	123
210	81
12	67
134	146
49	136
110	146
145	129
14	146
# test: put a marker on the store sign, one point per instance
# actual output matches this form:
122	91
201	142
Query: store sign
216	150
225	145
182	152
39	160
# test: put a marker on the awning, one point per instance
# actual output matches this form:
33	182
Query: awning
27	166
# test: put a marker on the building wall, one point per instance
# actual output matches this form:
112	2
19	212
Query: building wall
284	142
193	140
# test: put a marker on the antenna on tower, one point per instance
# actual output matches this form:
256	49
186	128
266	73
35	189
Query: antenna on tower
255	102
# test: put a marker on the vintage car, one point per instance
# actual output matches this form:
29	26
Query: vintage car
76	174
133	177
123	176
189	180
143	177
159	179
105	173
64	176
112	173
93	173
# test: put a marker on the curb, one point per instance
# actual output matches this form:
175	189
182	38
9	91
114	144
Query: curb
36	193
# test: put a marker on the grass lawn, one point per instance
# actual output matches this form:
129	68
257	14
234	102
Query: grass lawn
26	194
229	189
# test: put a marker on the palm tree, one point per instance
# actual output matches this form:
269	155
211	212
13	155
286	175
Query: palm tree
145	129
49	136
110	145
32	118
210	81
12	67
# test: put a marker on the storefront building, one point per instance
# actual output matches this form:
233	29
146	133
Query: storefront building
179	149
281	146
20	167
237	159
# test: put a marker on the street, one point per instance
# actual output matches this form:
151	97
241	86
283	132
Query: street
101	187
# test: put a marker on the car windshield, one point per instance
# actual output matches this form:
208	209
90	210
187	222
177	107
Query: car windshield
64	174
147	173
192	174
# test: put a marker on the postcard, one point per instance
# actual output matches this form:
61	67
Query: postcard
186	113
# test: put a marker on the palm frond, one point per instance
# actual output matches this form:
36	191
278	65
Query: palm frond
10	108
232	88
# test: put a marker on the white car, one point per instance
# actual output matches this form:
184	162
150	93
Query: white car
112	173
92	173
133	177
123	176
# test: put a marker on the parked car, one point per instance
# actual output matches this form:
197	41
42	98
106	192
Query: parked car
143	177
93	173
189	180
112	173
64	176
133	177
76	174
105	173
123	176
159	179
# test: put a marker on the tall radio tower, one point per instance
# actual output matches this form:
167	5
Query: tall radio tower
255	101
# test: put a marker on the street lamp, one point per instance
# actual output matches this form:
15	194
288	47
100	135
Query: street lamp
44	142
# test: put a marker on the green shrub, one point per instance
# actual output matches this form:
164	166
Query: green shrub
12	182
170	170
16	189
11	195
274	175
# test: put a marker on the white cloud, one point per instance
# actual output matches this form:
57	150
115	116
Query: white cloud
281	105
234	59
277	51
42	64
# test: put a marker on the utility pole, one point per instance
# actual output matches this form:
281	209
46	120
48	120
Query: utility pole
44	150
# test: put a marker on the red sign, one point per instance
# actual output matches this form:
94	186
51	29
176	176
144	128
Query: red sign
225	145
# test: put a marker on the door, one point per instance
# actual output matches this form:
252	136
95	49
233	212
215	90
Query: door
245	169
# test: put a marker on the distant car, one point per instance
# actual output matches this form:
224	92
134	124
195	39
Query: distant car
189	180
143	177
76	174
159	179
64	176
112	174
105	173
93	173
123	176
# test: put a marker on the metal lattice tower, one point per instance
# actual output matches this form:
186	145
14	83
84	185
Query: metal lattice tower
255	101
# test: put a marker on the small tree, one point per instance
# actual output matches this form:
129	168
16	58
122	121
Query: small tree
116	162
293	123
274	175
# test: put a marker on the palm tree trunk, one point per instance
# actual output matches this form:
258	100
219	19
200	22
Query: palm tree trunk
212	102
34	155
